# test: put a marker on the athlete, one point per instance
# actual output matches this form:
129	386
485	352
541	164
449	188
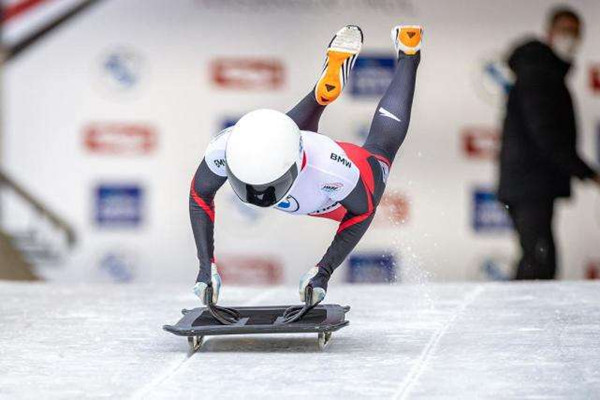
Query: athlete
278	160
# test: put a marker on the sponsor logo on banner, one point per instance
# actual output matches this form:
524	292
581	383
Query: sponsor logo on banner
228	122
598	143
248	73
481	142
496	268
253	7
592	269
119	138
121	71
595	78
371	75
361	132
393	210
597	211
250	270
372	267
493	80
489	215
118	265
119	205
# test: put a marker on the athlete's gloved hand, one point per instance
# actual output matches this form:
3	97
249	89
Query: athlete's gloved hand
317	278
206	278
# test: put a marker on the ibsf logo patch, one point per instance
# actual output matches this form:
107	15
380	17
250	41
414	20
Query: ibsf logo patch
117	138
371	75
480	142
594	77
489	215
248	73
331	187
118	205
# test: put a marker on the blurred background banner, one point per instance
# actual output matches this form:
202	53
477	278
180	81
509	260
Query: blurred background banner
108	105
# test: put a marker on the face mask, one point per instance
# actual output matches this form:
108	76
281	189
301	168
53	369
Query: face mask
565	46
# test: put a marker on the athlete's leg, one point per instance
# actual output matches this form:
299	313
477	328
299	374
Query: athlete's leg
340	56
392	116
307	113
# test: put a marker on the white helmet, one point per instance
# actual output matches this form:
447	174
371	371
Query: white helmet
264	156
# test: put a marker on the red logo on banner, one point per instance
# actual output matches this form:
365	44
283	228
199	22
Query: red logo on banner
251	270
595	78
115	138
393	209
248	74
481	142
592	270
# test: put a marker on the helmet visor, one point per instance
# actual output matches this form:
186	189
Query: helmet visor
267	194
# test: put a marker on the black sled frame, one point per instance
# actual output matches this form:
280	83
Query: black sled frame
214	320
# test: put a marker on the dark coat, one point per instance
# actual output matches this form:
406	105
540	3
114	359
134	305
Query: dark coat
538	155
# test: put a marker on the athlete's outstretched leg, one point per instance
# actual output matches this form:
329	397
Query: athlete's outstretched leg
392	116
307	113
340	56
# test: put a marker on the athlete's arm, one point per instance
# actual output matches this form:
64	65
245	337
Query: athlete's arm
202	215
360	212
209	177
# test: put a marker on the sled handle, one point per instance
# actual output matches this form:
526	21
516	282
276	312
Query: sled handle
225	315
295	313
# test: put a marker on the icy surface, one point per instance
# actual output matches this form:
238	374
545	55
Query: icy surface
437	341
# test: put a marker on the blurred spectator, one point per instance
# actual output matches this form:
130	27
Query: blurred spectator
539	155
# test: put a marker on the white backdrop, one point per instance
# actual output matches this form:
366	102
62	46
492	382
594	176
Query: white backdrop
65	83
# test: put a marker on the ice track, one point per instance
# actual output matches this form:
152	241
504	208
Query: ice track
500	341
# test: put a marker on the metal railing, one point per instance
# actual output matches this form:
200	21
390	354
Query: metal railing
16	255
42	210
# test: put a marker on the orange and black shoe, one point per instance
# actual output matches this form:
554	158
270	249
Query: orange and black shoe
407	39
341	55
